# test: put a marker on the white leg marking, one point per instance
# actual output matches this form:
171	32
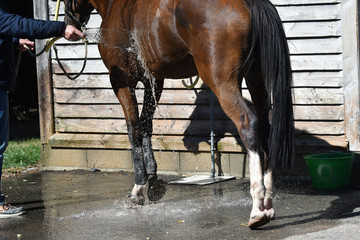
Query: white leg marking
257	189
137	190
269	185
270	193
258	215
136	196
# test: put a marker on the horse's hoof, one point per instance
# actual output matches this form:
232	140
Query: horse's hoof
134	200
156	190
256	222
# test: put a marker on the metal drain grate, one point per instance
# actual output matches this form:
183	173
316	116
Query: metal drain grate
201	180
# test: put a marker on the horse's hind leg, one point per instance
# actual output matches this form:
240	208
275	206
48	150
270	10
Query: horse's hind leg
234	105
247	124
156	188
261	100
224	77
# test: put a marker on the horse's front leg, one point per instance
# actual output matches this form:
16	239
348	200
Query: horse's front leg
130	108
124	89
152	95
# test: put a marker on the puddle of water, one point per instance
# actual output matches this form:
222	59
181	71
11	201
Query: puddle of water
86	205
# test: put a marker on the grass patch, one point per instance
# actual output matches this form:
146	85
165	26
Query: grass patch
22	153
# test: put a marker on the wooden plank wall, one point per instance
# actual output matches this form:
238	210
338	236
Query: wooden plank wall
88	115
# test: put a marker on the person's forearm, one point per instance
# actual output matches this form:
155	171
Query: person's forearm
12	25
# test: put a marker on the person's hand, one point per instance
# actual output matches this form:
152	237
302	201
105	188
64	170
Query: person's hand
25	44
72	33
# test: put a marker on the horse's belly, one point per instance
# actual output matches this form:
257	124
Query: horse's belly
175	69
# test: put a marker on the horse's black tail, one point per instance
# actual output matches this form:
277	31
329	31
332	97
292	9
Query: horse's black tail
269	40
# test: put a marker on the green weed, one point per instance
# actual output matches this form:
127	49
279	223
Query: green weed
21	154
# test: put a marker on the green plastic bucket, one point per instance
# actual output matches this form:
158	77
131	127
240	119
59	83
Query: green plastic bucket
329	170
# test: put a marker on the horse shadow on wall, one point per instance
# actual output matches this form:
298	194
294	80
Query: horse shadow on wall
225	128
200	119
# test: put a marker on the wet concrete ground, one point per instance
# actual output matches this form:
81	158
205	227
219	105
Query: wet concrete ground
86	205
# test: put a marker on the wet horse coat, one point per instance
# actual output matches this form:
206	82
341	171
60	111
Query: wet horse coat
223	41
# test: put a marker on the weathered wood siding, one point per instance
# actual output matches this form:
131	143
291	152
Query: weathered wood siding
88	115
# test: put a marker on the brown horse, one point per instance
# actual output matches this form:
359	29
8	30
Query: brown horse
223	41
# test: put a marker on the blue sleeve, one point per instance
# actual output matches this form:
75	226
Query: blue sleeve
12	25
16	41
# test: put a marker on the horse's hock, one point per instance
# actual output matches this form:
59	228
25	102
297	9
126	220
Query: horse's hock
83	124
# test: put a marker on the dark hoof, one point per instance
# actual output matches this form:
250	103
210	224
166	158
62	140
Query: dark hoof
156	190
134	200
